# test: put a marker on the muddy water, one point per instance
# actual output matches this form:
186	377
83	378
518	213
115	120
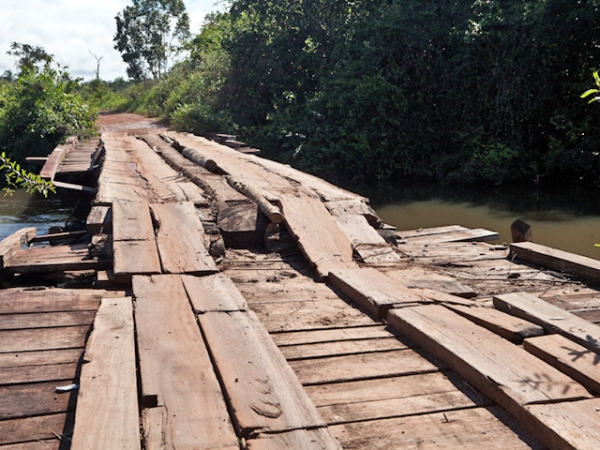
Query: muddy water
24	210
563	218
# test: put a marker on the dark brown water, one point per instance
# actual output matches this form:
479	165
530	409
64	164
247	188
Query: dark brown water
25	210
564	218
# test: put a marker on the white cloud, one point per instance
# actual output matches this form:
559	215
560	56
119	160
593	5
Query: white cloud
69	29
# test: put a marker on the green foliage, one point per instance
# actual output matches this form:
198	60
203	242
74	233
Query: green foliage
593	91
148	33
18	177
39	110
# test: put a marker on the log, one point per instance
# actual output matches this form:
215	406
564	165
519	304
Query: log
200	159
269	210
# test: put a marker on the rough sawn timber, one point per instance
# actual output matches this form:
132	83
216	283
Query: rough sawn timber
9	246
107	407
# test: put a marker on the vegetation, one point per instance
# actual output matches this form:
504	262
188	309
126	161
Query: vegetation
465	91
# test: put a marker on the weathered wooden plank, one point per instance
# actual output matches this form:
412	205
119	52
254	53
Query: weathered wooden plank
502	371
509	327
12	244
55	259
366	365
52	163
31	428
99	220
373	290
308	315
264	393
52	444
45	320
132	221
317	234
167	334
40	358
107	407
135	257
57	238
394	397
409	234
35	374
23	300
414	276
320	438
75	187
213	293
552	318
180	239
307	351
578	362
42	339
552	258
26	400
567	425
476	428
281	290
331	335
472	235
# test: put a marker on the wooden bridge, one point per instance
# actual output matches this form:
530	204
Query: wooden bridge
219	300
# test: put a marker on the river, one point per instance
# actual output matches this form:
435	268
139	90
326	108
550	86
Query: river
567	218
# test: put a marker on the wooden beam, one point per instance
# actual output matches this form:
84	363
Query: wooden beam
176	371
580	363
107	407
99	220
75	187
213	293
58	237
552	318
504	372
10	245
551	258
52	163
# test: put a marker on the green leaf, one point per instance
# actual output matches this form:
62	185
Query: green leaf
589	92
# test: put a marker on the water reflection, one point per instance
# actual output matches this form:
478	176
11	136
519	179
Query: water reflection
31	210
562	217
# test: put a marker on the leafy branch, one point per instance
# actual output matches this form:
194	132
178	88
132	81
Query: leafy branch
18	177
593	91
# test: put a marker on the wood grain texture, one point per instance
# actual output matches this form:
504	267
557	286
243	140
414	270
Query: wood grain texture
10	245
320	238
373	290
349	347
55	259
264	393
45	320
476	428
180	239
175	368
317	439
31	428
23	300
414	276
559	260
502	371
213	293
43	339
25	400
37	373
552	318
40	358
566	426
107	407
578	362
333	335
132	221
135	257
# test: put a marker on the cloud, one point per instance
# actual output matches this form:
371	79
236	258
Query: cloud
69	29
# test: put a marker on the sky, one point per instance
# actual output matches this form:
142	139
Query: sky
70	29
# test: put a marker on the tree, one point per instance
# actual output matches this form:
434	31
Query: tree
148	34
29	56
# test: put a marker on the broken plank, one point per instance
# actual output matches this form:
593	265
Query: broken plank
337	369
213	293
132	221
12	244
32	428
580	266
180	239
373	290
552	318
309	315
187	387
36	374
107	407
567	425
509	327
318	235
62	258
264	393
134	258
320	438
25	400
43	339
578	362
394	397
99	220
476	428
501	370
